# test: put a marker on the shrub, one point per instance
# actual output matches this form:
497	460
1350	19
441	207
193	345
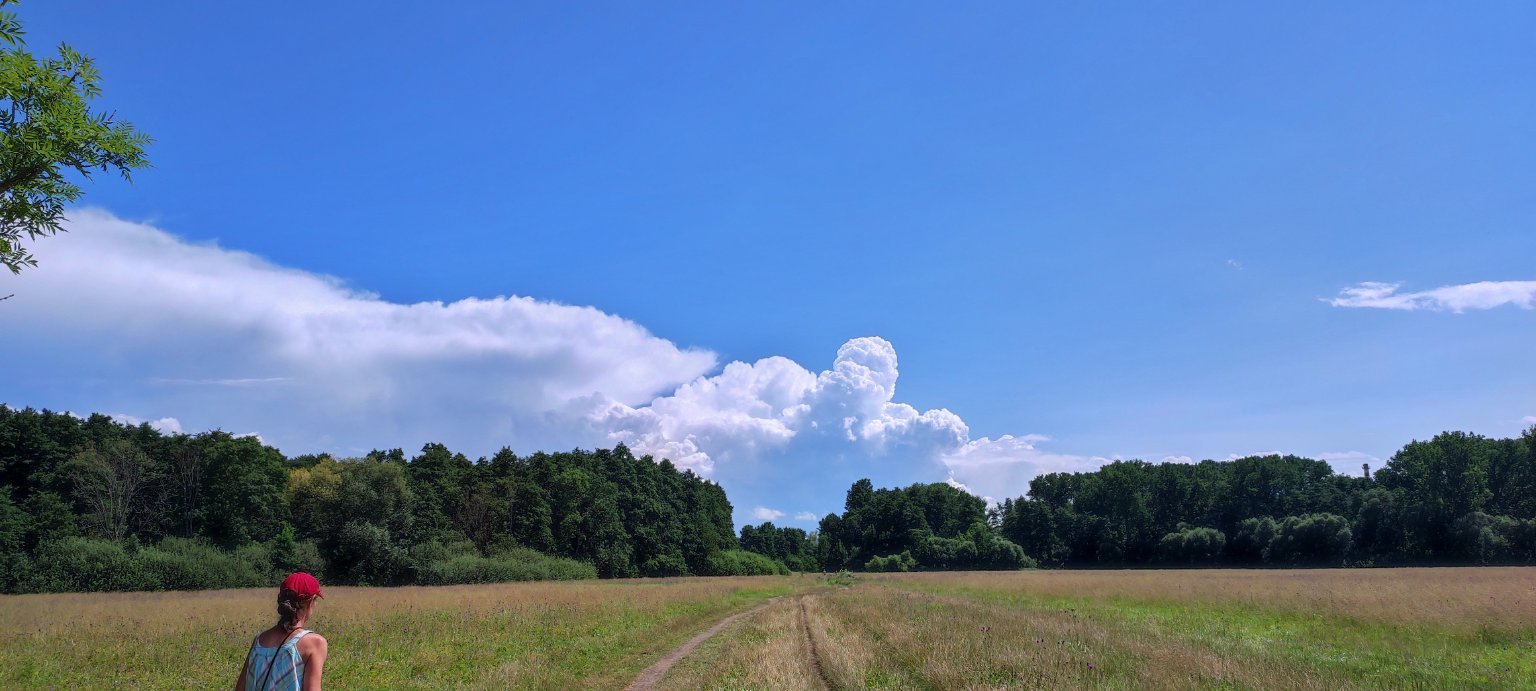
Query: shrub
665	565
1252	540
79	564
842	578
1192	545
366	556
183	564
509	566
735	562
1489	539
1313	538
979	547
894	562
288	554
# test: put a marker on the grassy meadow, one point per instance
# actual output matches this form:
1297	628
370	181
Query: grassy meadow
1323	629
593	634
1385	628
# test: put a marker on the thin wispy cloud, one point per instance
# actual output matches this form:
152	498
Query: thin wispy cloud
805	516
242	381
1455	298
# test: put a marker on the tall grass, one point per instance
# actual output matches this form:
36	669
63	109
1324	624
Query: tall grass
524	635
1408	628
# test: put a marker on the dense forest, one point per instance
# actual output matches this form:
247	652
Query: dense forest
93	504
1457	498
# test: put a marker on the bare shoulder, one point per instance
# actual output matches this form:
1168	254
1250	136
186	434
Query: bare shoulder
312	644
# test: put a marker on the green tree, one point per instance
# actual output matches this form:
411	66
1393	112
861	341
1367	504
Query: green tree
48	132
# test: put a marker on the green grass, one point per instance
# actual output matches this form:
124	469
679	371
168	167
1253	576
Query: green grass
1346	648
594	635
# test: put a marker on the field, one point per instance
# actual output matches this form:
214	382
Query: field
1387	628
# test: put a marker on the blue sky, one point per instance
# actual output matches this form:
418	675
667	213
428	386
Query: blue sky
1118	229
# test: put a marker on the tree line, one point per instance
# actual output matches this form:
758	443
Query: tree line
92	504
1456	498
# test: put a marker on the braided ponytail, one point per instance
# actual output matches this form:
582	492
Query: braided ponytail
290	606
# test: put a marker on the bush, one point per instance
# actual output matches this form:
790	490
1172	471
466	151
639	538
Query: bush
79	564
288	554
979	547
1313	538
665	565
510	566
843	578
1192	546
1491	539
894	562
735	562
183	564
1251	543
366	556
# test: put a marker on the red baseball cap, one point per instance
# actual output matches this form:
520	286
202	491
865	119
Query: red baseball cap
302	584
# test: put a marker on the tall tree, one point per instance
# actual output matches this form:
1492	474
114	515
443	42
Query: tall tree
49	133
115	482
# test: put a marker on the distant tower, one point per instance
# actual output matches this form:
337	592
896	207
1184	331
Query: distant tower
1367	468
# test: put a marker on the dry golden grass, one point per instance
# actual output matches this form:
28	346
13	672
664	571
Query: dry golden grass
1418	628
532	635
768	652
1404	628
1466	599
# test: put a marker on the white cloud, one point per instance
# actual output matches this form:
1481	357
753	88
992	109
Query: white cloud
1004	466
165	425
1456	298
224	339
751	409
1251	454
806	517
1234	264
1528	420
776	411
227	339
1178	459
763	513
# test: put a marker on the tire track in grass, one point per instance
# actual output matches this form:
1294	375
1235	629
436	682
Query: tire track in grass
810	640
651	677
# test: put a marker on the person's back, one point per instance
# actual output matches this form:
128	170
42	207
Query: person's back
287	657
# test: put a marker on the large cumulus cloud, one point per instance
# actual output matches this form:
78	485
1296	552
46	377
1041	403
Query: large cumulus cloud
127	318
776	409
218	337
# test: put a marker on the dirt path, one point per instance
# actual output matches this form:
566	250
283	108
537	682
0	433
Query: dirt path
810	641
653	674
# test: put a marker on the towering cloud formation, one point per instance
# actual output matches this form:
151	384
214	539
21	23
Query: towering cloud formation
777	409
124	317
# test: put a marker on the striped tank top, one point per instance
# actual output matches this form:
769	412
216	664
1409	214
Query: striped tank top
275	669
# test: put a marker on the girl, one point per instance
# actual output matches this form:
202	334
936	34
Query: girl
287	657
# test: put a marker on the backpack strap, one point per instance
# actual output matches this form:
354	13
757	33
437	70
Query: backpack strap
266	678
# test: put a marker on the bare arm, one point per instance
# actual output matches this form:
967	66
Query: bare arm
313	648
240	680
